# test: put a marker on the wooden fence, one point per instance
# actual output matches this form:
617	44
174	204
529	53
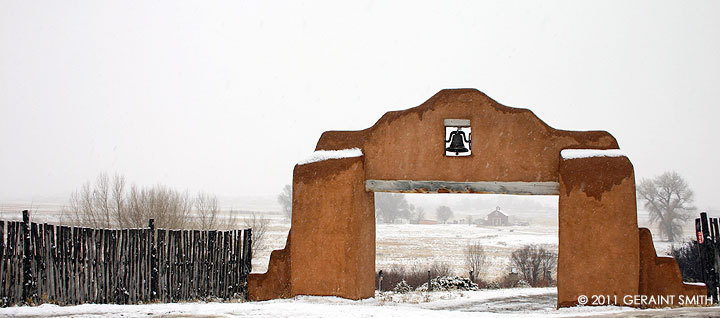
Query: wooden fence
44	263
707	232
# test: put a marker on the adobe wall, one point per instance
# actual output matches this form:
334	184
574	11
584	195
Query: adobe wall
331	244
275	283
597	234
333	230
660	276
509	144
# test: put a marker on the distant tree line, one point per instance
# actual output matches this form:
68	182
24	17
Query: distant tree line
394	207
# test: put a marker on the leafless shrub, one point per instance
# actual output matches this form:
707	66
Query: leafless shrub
475	258
533	263
98	206
439	269
206	211
484	284
688	259
169	208
413	275
509	280
259	226
109	204
390	278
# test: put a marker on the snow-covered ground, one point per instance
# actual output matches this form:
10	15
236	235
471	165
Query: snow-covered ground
423	245
517	302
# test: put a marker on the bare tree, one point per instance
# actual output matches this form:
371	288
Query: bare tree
668	199
169	208
475	257
443	213
391	207
533	261
419	214
285	200
107	204
548	262
439	269
259	226
80	208
100	205
118	198
101	198
206	211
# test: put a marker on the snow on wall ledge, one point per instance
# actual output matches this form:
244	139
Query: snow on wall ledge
322	155
568	154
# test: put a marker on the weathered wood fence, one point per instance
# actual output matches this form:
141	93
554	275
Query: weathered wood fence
44	263
707	232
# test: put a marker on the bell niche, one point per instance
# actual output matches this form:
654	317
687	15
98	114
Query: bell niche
458	140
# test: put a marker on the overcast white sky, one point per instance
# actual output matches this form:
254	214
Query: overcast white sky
225	96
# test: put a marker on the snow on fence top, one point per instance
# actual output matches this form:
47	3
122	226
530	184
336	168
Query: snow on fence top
322	155
567	154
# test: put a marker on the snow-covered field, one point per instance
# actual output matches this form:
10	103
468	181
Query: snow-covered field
423	245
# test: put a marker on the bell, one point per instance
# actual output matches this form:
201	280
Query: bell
456	142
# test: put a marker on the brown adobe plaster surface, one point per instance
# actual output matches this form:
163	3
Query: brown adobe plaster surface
334	140
308	173
595	175
509	144
660	276
275	282
598	243
333	230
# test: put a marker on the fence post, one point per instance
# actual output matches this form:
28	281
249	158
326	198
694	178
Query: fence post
700	239
429	284
716	239
153	262
247	251
380	279
472	276
548	273
26	257
707	248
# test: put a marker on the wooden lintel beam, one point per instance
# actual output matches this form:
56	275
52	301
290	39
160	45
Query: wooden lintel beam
497	187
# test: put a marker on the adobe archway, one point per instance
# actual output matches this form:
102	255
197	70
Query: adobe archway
330	249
